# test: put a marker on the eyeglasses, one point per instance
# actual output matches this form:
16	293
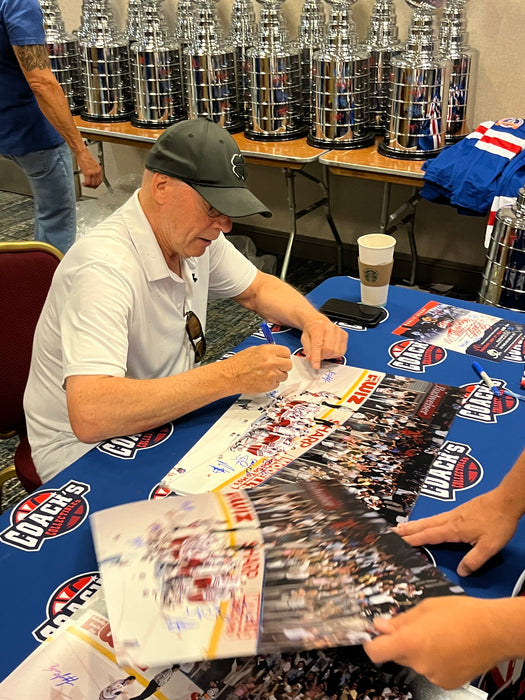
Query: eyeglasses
212	212
195	335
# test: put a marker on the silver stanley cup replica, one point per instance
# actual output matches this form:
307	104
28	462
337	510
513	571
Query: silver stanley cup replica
275	109
242	36
503	282
464	64
418	92
383	44
340	77
210	71
63	50
310	38
155	70
104	58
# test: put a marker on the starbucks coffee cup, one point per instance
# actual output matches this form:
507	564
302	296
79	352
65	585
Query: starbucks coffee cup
376	259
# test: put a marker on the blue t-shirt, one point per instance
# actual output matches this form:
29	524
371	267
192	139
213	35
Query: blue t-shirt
23	127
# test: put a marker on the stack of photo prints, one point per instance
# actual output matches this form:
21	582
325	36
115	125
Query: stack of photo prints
277	534
261	572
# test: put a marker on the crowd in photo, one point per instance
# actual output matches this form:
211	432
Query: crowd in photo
329	571
343	673
384	450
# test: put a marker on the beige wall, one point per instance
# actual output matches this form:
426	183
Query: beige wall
496	29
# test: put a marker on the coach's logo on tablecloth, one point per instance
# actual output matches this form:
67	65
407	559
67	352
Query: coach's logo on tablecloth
66	600
46	514
481	405
413	356
127	447
452	470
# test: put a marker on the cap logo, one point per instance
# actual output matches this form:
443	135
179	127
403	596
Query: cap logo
238	166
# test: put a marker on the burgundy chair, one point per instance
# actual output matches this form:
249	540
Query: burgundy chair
26	271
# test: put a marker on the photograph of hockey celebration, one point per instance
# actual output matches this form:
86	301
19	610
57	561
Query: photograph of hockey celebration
373	432
281	567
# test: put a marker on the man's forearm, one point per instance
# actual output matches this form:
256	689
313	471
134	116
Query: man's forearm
55	108
277	301
101	407
35	65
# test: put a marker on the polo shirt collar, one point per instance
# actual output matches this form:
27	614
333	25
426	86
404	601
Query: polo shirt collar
144	241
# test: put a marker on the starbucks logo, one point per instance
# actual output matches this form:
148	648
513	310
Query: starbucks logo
371	275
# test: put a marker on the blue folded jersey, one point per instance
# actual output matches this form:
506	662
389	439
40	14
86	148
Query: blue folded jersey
467	175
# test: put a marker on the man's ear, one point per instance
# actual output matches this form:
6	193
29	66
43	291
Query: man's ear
160	187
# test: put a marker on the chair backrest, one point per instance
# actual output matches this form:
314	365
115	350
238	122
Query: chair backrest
26	271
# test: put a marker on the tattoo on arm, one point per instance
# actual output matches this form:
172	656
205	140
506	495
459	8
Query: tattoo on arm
34	56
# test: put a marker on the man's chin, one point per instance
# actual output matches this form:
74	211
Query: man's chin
199	247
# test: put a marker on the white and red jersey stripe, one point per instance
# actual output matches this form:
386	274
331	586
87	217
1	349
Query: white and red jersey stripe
497	137
497	203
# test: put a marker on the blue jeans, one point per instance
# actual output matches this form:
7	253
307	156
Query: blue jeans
50	174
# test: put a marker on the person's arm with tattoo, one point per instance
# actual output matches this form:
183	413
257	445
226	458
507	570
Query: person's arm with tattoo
36	67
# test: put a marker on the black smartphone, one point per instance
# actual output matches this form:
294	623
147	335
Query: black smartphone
353	312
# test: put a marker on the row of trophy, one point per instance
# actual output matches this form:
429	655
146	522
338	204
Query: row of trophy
326	85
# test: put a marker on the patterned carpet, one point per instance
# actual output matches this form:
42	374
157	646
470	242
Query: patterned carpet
227	325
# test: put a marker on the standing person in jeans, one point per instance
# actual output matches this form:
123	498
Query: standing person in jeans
37	129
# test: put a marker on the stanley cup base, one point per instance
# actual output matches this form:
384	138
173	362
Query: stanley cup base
289	135
124	117
342	145
386	150
154	124
234	128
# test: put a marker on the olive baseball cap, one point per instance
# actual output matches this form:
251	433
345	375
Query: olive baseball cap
205	156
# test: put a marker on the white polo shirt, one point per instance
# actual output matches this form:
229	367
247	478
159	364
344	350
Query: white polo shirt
115	308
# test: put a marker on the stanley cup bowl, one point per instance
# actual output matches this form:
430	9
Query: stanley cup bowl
341	114
107	83
213	91
64	55
275	110
157	88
